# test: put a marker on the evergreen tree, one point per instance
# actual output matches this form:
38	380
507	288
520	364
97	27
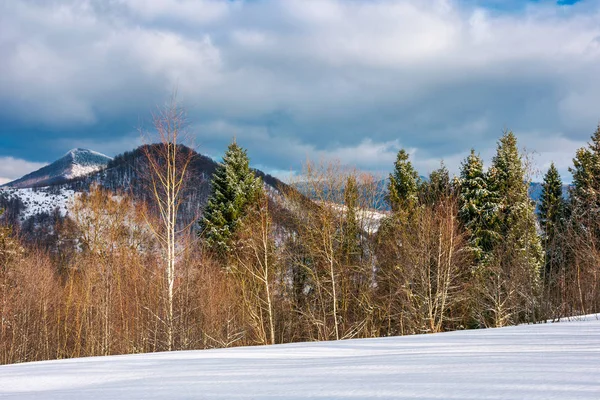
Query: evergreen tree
551	210
437	187
477	207
519	255
551	216
584	180
234	187
517	210
585	191
404	183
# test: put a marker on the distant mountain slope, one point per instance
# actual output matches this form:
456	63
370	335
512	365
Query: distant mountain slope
53	187
74	164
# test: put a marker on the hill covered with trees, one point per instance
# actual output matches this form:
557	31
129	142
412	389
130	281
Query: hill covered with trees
134	267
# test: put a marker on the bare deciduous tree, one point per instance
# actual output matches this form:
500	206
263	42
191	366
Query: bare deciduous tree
422	268
257	268
168	163
334	234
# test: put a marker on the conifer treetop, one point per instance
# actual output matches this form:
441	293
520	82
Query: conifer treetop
234	187
404	182
585	192
551	201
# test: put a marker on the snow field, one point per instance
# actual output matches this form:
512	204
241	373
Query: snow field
544	361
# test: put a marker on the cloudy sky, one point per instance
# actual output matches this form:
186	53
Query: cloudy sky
353	80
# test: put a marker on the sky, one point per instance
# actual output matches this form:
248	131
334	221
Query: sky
291	80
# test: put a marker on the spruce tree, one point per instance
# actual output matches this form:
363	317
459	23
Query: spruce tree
477	207
517	210
234	187
437	187
585	191
584	179
404	183
519	254
551	209
551	216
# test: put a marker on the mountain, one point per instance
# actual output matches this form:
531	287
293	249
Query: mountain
39	198
74	164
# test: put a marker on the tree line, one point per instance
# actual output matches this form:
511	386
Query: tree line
309	261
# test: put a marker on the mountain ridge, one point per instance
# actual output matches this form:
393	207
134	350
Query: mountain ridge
75	163
32	201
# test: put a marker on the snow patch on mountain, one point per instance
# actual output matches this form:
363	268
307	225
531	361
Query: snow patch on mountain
81	170
41	200
368	219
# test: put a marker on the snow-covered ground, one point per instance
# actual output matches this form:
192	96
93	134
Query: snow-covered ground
546	361
41	200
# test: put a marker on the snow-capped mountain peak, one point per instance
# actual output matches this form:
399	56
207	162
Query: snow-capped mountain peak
85	161
75	163
81	152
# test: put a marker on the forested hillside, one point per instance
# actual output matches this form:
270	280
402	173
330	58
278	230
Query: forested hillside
134	266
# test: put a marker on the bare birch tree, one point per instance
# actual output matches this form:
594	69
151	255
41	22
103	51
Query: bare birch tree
168	163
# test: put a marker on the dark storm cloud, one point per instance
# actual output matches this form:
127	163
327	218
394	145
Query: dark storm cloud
354	80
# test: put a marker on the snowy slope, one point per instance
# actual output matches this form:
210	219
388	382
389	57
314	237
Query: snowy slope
547	361
368	219
41	200
75	163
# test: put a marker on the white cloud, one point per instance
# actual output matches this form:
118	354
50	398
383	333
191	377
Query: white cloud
367	153
333	78
194	11
550	147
